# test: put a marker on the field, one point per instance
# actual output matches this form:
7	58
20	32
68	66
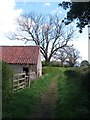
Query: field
59	93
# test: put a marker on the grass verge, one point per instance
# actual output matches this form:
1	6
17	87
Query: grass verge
73	98
23	102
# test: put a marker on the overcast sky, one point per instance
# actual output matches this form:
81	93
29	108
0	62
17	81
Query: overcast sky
11	9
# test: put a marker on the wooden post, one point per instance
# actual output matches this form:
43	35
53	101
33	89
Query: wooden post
89	42
25	80
29	79
12	82
18	82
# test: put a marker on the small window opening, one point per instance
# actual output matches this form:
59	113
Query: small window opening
26	70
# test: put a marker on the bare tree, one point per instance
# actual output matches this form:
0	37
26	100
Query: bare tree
61	55
67	55
72	56
47	32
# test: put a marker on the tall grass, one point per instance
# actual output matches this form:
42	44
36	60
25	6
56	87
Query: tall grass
24	101
72	91
73	98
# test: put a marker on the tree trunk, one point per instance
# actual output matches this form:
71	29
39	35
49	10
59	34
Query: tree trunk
61	63
47	61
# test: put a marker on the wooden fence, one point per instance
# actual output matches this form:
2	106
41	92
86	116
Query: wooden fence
20	81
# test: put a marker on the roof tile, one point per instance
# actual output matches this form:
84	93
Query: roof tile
20	54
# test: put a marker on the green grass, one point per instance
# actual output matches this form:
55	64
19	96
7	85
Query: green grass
72	94
23	102
73	98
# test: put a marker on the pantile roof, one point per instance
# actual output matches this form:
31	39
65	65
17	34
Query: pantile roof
20	54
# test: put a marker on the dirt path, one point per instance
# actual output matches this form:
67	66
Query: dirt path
47	107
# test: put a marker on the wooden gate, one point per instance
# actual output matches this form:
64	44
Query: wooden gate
20	81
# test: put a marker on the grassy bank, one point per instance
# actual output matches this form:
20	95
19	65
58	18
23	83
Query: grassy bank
73	96
73	92
23	102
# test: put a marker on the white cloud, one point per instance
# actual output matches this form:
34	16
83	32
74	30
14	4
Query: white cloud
8	15
47	4
56	11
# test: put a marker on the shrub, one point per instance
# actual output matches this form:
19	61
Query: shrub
6	81
66	65
71	73
85	76
84	63
73	86
51	64
54	64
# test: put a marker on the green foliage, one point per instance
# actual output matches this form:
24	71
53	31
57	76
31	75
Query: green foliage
84	63
52	64
55	64
47	70
66	65
24	102
44	63
85	76
6	81
73	94
78	11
